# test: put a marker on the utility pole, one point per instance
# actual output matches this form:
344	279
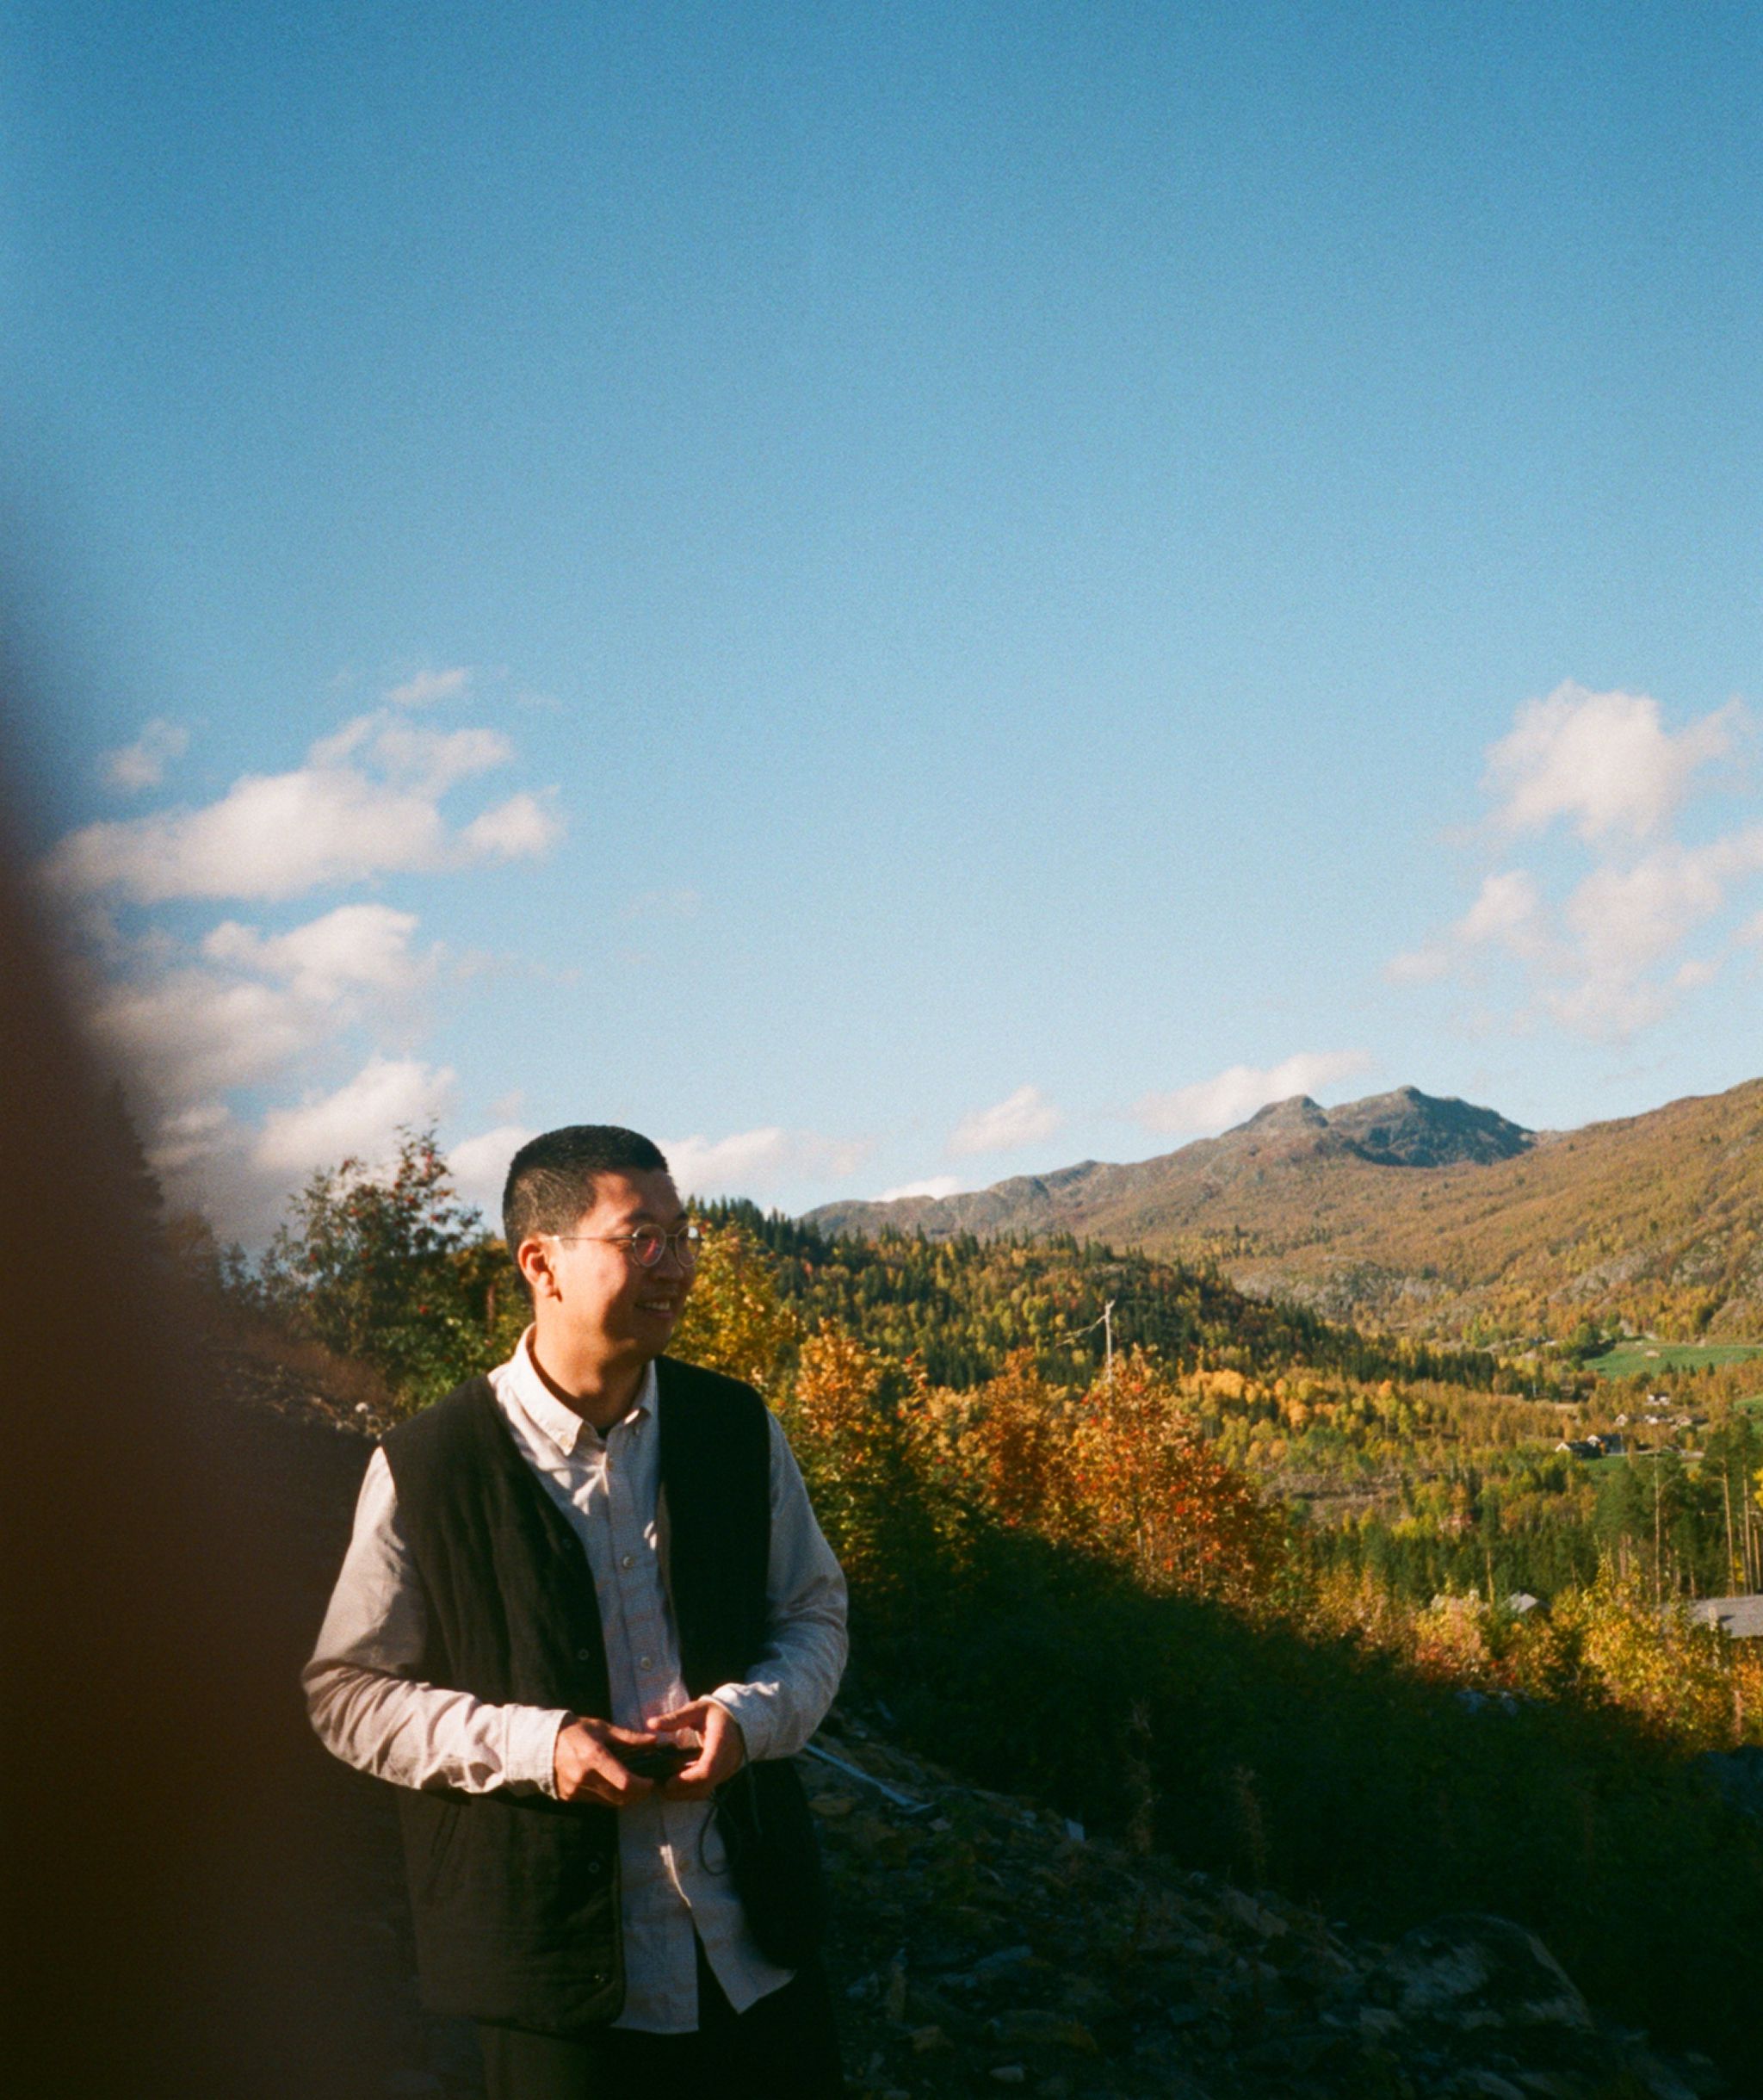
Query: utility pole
1657	1540
1732	1564
1108	1343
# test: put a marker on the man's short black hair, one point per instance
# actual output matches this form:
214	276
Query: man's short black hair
551	1178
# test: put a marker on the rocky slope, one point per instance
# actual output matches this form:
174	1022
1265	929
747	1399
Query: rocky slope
985	1942
1418	1213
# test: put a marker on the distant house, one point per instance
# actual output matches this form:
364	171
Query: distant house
1608	1446
1742	1617
1521	1603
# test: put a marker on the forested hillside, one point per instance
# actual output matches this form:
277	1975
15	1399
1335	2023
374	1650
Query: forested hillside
1429	1217
1433	1469
958	1306
1241	1588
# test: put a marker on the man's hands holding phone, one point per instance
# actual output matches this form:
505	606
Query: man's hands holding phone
722	1748
589	1765
590	1756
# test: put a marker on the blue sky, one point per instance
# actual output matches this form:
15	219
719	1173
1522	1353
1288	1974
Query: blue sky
892	595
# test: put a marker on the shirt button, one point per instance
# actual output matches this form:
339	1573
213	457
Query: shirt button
628	1561
645	1662
583	1655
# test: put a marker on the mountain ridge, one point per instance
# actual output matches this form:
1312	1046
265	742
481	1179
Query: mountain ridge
1401	1127
1423	1213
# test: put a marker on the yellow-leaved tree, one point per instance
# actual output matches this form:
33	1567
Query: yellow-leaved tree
734	1321
845	1434
1690	1681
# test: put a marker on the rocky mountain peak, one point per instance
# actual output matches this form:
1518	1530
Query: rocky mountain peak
1407	1128
1297	1113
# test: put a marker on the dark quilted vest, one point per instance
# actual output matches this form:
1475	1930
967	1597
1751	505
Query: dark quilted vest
515	1896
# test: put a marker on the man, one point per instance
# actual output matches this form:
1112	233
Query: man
559	1575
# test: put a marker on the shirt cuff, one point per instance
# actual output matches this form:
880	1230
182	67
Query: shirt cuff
751	1710
530	1757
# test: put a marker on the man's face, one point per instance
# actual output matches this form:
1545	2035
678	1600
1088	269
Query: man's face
606	1302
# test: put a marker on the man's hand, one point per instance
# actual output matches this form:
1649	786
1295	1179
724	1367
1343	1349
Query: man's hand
722	1752
587	1764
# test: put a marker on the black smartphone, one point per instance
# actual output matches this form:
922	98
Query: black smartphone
656	1760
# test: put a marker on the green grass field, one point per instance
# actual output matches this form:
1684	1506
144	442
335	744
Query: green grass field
1632	1358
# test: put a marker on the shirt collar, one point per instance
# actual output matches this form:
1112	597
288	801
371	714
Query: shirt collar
560	1425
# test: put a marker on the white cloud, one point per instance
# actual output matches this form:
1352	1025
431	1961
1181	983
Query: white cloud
191	1032
365	804
357	944
433	760
1618	966
142	764
193	1135
1508	914
428	686
269	836
703	1166
194	1019
360	1120
1605	761
760	1160
480	1167
939	1185
521	828
1024	1118
1622	919
1233	1095
1600	949
256	1007
1608	962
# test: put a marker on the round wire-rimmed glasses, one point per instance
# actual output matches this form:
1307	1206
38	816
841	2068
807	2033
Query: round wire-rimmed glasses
645	1244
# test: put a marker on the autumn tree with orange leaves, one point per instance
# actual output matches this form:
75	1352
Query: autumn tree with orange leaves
1158	1494
1014	1449
1120	1470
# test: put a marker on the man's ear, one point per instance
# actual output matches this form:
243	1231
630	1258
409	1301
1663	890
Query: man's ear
533	1258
